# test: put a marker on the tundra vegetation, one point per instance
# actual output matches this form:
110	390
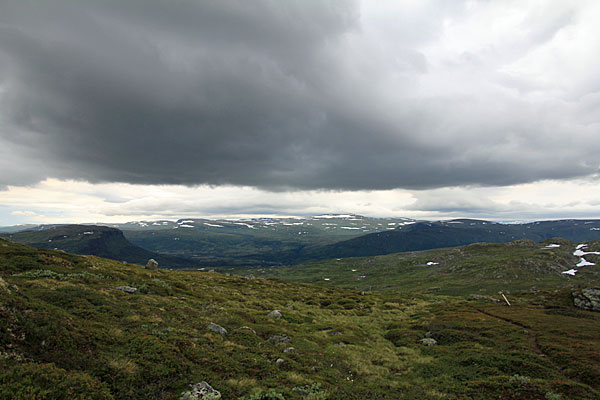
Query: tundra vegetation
67	331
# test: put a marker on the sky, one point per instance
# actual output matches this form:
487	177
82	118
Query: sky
120	110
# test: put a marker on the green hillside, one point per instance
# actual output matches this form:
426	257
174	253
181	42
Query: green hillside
476	269
67	331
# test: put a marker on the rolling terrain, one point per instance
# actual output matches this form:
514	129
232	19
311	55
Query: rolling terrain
69	329
459	232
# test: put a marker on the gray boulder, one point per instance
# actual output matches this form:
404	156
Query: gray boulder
152	264
274	314
276	339
201	391
587	299
127	289
429	342
217	328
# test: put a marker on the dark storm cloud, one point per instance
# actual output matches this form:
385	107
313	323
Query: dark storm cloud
273	94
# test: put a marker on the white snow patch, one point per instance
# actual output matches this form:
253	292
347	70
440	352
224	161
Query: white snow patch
583	263
353	270
213	225
594	229
326	279
88	233
581	253
188	221
455	222
246	225
552	246
581	246
432	263
570	272
186	226
348	227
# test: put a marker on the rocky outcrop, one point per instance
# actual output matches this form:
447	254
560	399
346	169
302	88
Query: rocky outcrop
587	299
201	391
274	314
152	265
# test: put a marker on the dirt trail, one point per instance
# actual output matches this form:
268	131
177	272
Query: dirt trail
531	338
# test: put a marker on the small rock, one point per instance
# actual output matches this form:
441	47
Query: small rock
4	286
279	361
335	333
249	277
152	264
217	328
290	307
290	350
341	344
274	314
127	289
429	334
429	341
201	391
276	339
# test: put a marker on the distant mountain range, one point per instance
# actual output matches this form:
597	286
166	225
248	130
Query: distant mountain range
285	241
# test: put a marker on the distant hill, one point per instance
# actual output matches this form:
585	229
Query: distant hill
288	241
440	234
94	240
253	241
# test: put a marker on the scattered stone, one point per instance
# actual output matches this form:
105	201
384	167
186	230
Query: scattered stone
217	328
276	339
127	289
152	264
275	314
249	277
429	334
335	333
211	270
201	391
429	341
588	299
279	361
341	344
290	307
290	350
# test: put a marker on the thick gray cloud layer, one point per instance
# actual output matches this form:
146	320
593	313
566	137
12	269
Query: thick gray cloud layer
296	94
